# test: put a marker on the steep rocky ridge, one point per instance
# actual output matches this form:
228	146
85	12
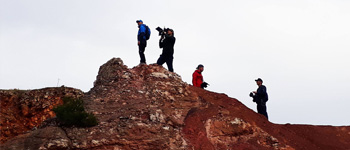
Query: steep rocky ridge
148	107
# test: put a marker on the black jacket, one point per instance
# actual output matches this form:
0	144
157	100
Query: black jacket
261	94
168	45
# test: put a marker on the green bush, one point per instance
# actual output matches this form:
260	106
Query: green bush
72	113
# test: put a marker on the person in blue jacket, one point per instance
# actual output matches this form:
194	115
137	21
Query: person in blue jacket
260	97
141	40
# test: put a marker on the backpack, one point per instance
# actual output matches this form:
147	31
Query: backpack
148	32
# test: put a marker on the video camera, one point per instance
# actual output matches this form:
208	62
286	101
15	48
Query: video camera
252	94
204	85
162	31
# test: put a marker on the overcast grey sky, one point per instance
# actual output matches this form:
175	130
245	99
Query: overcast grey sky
299	48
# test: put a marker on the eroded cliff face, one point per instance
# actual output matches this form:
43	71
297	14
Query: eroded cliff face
148	107
24	110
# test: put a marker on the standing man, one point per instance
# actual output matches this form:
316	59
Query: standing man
260	97
167	42
142	37
197	78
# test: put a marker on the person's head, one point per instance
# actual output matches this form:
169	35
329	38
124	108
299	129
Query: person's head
170	32
259	81
139	22
200	67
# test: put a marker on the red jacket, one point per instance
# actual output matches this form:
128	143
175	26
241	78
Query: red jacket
197	78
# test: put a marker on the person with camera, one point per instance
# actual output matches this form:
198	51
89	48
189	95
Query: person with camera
142	37
260	97
167	42
197	78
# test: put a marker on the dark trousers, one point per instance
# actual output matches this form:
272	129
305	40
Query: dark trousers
142	48
168	60
262	108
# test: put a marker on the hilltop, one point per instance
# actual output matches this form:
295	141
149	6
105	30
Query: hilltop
148	107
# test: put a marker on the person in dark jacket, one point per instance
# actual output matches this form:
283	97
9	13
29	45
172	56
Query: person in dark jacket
167	42
260	97
141	40
197	78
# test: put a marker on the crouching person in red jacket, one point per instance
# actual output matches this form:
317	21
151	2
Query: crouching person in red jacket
197	78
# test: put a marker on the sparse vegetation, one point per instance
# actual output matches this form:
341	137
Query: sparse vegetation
72	113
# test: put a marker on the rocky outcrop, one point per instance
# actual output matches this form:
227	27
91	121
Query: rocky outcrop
24	110
148	107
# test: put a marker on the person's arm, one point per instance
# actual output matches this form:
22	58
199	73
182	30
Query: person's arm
142	33
161	42
194	79
261	92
